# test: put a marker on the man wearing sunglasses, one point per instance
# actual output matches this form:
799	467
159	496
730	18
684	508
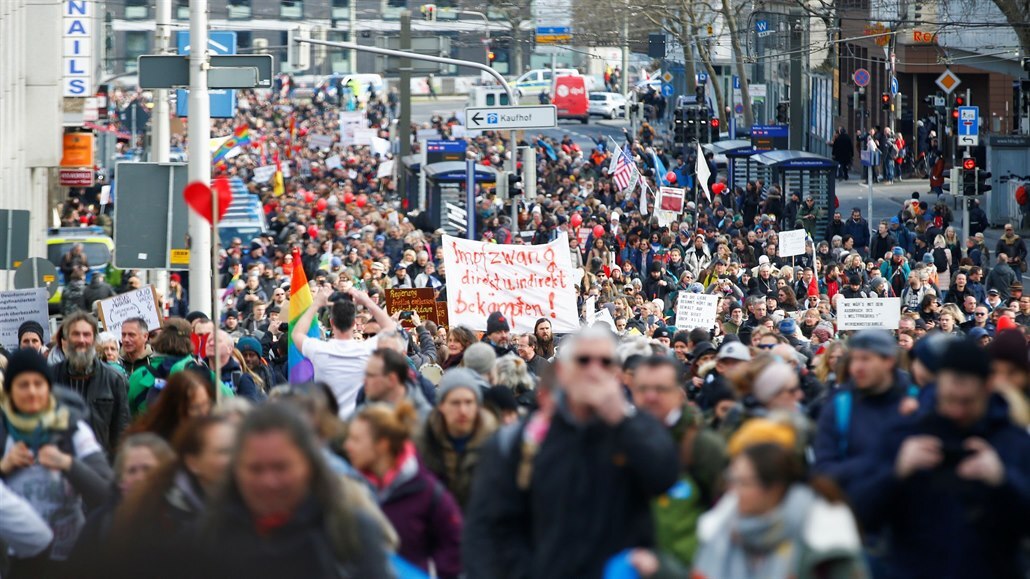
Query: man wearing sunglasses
584	509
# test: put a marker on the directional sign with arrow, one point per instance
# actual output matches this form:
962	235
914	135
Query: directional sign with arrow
512	118
968	126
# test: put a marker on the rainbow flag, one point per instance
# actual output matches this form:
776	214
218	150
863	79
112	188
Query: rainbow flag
239	138
299	367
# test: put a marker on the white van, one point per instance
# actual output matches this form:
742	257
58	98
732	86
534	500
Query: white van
487	96
538	80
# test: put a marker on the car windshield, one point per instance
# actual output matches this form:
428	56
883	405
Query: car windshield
598	97
246	233
96	253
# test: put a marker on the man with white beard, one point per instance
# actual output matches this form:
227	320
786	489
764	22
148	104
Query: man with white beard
103	388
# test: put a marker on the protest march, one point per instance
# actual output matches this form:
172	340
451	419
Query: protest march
646	370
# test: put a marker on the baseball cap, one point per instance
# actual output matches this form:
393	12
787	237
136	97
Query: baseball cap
734	351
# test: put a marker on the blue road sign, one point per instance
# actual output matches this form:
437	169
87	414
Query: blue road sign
861	77
739	109
762	28
702	77
894	85
968	126
667	90
736	82
223	101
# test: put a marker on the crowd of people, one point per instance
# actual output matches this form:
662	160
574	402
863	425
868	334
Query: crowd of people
771	445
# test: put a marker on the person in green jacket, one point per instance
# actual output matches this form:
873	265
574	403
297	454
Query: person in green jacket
657	389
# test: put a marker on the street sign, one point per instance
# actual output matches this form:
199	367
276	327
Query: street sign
553	35
948	81
151	220
14	237
762	28
36	272
173	71
738	108
939	101
894	85
440	151
667	76
667	90
512	118
770	137
82	177
702	77
968	126
861	77
223	101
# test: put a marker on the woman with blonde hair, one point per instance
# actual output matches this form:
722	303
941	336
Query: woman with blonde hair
825	364
942	258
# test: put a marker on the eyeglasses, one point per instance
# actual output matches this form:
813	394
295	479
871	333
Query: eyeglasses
766	346
586	359
980	314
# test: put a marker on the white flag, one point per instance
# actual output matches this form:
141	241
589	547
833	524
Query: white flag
703	173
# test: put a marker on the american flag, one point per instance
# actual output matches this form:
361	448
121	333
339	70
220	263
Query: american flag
623	172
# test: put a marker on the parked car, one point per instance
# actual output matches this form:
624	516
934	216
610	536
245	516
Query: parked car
538	80
609	105
96	245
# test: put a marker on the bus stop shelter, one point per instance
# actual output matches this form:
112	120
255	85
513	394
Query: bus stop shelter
734	156
807	174
445	193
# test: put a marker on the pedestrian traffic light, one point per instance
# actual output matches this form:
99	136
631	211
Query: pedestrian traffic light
983	182
783	112
960	101
514	184
429	12
298	53
861	95
885	101
969	176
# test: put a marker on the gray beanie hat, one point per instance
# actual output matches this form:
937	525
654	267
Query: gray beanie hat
479	357
461	378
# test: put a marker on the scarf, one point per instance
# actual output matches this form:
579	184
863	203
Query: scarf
34	429
765	546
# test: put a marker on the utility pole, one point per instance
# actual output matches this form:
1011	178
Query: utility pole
404	128
202	265
797	94
624	77
160	134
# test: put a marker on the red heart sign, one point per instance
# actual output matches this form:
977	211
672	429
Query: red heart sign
198	197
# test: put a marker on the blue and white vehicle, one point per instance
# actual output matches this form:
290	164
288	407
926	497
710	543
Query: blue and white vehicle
538	80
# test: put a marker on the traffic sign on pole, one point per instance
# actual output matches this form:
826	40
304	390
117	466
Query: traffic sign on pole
948	81
861	77
894	85
223	101
968	126
512	118
667	90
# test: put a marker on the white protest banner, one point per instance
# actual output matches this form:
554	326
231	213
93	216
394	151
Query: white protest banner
792	243
385	169
18	307
141	303
363	137
670	199
334	162
605	317
869	313
320	141
523	282
380	146
264	173
696	310
349	122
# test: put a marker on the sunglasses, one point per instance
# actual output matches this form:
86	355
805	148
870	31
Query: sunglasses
586	359
766	346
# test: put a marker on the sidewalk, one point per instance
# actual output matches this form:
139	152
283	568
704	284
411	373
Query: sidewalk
895	196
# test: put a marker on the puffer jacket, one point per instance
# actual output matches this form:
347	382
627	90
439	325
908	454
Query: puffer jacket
453	468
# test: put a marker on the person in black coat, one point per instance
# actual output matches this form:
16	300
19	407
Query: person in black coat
843	153
561	492
953	484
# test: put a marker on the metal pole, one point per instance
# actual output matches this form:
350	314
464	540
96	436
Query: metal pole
470	198
404	123
529	176
421	174
161	133
202	295
624	77
869	180
352	35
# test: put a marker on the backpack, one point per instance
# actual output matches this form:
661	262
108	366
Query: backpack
148	381
842	410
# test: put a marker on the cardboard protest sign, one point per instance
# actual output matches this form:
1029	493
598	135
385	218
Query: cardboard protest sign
670	199
696	310
869	313
350	121
141	303
320	141
792	243
523	282
18	307
422	301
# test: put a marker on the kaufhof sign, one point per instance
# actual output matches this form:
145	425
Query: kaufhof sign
78	48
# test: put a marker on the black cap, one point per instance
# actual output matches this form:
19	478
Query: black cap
661	333
701	349
965	357
30	326
26	360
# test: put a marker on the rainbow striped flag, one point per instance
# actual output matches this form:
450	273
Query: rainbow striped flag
239	138
299	367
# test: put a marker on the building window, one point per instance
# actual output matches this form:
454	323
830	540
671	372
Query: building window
291	9
135	45
137	9
340	9
244	41
182	9
238	9
339	60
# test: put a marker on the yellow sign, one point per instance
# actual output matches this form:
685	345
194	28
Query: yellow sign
180	257
880	33
78	150
49	278
920	37
17	264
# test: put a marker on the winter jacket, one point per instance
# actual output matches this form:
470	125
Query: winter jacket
146	383
842	441
859	231
555	498
106	396
73	298
97	290
697	261
231	545
881	245
423	513
1001	277
241	383
453	467
943	526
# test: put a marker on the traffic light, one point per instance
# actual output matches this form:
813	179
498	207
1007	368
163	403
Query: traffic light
491	56
298	54
983	182
429	12
783	112
960	101
703	132
861	95
885	101
514	184
969	176
714	124
699	92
